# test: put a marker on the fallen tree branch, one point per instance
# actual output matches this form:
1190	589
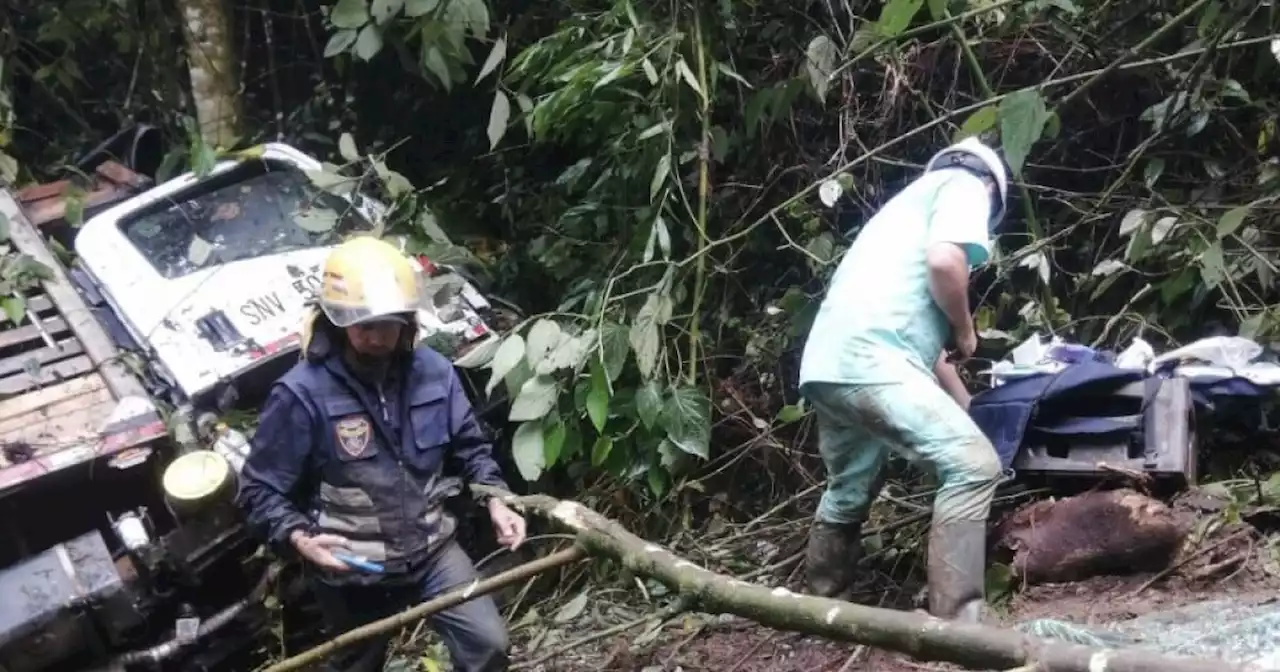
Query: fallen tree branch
920	636
452	598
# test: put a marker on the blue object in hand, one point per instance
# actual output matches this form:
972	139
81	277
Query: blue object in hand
359	563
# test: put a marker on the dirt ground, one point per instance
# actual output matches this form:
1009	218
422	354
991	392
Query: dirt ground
1228	565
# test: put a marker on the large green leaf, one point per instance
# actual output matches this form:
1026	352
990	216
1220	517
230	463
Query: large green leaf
649	403
509	354
527	450
1022	118
1232	220
349	14
499	118
645	335
614	348
687	417
896	16
543	337
598	398
536	398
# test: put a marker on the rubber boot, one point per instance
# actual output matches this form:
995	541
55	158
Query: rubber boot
834	549
957	570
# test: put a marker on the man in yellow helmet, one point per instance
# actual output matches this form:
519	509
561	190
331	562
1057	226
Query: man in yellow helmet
356	450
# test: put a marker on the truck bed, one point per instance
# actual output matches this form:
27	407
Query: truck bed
65	396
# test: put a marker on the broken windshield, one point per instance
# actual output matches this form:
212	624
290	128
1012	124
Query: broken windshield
236	216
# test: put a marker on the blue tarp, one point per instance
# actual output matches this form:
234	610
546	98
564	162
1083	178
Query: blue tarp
1081	401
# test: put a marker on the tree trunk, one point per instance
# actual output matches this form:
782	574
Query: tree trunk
918	635
215	85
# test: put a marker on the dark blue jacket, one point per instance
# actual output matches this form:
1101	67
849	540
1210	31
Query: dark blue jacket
332	454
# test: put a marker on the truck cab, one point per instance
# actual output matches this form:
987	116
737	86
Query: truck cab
181	303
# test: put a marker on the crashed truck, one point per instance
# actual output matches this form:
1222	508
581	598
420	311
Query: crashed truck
123	548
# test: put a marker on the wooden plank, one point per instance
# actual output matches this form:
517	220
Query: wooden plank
39	192
30	403
10	338
39	304
93	337
57	433
48	375
69	347
117	173
53	209
63	408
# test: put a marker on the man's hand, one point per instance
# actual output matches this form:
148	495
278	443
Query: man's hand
318	549
966	344
507	524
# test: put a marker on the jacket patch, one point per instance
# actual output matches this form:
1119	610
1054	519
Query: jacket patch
354	434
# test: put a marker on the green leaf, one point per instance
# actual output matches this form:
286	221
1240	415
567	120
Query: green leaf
687	417
1213	268
544	336
416	8
660	174
553	435
614	348
569	354
347	147
4	228
938	9
527	450
349	14
600	450
536	398
434	62
598	399
368	43
645	337
499	117
791	413
978	123
687	75
496	55
657	481
649	403
1231	221
384	10
1022	118
509	354
15	308
896	16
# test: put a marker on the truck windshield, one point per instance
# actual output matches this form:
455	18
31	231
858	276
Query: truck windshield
238	216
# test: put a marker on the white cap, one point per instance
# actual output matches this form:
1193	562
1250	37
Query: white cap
989	158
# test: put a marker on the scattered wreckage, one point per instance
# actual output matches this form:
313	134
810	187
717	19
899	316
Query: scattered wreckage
123	545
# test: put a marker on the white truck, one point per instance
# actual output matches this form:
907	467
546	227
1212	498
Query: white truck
122	544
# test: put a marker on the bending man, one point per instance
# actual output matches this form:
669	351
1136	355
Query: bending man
877	378
348	465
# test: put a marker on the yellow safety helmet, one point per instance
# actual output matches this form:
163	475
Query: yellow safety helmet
368	279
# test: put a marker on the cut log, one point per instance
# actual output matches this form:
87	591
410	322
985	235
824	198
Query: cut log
921	636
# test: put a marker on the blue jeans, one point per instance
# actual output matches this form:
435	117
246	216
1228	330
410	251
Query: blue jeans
474	632
858	425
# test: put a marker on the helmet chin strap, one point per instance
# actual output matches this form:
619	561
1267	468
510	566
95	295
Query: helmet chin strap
975	166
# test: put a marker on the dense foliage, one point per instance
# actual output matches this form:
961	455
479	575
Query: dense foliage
664	187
